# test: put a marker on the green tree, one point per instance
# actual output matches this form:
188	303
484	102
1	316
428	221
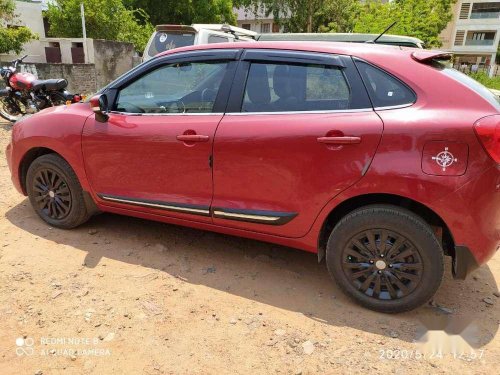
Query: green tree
104	19
307	15
12	38
185	12
418	18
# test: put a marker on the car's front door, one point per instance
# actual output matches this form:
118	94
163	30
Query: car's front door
299	130
153	152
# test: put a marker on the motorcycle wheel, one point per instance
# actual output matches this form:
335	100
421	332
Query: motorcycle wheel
9	111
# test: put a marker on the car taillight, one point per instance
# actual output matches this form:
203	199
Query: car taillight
488	131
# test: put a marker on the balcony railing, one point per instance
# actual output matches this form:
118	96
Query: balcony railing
484	42
485	15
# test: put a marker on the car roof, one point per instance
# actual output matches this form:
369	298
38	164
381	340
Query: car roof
339	37
339	48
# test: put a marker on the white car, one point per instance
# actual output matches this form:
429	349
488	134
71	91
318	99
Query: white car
167	37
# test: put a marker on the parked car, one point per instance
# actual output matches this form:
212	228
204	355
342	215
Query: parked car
167	37
394	40
379	159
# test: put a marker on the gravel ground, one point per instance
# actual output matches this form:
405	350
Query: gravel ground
122	295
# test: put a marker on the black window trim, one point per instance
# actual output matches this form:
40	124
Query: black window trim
358	91
229	55
292	57
389	107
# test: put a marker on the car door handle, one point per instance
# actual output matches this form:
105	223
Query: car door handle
344	140
193	138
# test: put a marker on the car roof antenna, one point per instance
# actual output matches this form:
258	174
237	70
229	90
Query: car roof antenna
383	32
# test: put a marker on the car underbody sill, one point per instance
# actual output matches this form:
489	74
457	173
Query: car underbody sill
251	216
168	206
254	216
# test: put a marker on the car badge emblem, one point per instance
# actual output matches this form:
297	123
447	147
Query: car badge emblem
445	159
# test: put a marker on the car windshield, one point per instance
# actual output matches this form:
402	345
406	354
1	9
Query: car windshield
488	95
163	41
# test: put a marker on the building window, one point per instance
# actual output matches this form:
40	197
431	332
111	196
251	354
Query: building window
276	28
77	53
246	26
265	28
53	53
485	10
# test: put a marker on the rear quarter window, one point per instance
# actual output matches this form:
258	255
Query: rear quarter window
384	89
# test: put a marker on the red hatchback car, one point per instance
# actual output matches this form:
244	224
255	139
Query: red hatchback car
379	159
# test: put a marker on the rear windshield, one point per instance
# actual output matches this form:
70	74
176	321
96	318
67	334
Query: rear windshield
474	85
163	41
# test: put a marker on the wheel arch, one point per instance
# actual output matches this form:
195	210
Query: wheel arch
32	154
28	158
440	228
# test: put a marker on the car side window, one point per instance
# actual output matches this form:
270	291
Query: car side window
384	89
174	88
295	87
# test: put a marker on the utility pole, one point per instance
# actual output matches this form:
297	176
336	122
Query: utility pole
85	50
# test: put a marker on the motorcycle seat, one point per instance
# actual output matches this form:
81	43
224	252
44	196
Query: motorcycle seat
50	84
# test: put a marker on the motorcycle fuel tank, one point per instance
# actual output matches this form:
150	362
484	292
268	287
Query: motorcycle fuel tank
22	81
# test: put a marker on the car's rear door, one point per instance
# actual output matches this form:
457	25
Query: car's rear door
153	153
299	129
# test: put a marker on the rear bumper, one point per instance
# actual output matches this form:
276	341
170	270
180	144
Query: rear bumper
463	262
472	214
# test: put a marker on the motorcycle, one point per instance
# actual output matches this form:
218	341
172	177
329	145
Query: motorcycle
25	94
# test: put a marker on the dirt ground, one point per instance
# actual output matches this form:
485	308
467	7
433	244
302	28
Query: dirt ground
127	296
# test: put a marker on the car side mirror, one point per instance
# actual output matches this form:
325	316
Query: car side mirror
99	105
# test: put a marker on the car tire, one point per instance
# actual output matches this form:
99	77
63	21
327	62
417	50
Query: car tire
386	258
55	192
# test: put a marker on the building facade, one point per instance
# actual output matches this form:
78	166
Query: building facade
47	50
87	64
473	35
260	23
29	14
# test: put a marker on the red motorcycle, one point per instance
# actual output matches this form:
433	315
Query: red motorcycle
25	94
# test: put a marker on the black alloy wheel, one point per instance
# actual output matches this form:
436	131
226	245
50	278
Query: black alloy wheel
385	257
382	264
52	194
56	194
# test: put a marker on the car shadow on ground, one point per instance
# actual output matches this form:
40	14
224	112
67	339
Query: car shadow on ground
270	274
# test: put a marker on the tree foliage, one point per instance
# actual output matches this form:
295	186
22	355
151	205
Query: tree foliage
12	38
423	19
418	18
185	12
104	19
307	15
